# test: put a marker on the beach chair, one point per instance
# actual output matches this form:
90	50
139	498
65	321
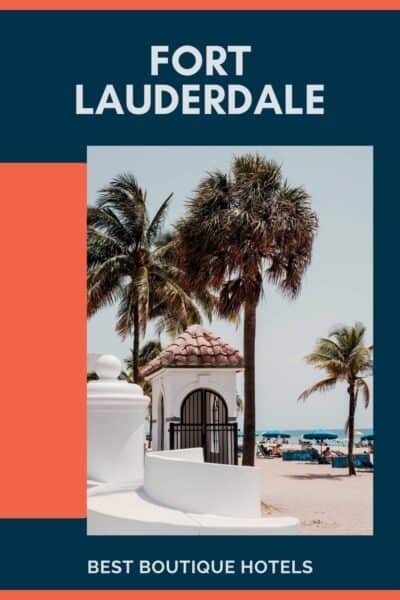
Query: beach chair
307	455
264	453
361	461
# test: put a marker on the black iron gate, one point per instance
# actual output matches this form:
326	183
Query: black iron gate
204	423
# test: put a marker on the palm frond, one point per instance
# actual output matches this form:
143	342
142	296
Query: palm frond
330	348
100	247
364	389
320	361
207	302
147	352
158	220
125	314
102	293
125	198
320	386
105	220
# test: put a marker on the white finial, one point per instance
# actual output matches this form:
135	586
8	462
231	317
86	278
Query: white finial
108	366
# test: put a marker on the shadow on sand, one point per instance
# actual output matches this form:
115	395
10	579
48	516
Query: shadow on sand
308	476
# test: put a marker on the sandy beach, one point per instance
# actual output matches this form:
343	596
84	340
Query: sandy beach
326	500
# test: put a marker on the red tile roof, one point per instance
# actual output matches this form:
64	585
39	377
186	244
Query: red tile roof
195	347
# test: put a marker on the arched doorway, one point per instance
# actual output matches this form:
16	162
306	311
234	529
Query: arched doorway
203	406
204	423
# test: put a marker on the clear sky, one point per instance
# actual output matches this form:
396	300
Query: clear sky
337	287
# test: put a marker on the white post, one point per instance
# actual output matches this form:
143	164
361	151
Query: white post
116	412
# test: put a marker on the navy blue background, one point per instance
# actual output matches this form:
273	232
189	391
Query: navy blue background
42	56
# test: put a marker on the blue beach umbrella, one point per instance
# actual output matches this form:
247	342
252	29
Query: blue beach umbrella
276	433
369	437
320	435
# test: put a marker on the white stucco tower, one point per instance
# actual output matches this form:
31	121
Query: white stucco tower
194	395
116	413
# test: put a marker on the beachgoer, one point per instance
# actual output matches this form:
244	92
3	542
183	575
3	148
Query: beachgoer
276	450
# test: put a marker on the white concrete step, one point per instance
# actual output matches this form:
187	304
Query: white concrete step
132	512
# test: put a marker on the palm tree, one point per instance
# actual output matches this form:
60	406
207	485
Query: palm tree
128	263
241	228
148	351
344	357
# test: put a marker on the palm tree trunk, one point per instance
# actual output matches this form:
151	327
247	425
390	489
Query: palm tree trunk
136	342
249	440
352	410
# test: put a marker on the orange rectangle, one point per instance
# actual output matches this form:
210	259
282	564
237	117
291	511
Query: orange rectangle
43	332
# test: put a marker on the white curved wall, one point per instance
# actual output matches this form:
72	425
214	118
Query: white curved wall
180	479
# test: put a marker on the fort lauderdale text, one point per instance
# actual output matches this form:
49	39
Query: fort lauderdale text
196	98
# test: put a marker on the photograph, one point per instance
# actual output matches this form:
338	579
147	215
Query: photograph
230	340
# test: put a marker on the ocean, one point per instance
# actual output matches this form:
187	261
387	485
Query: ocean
297	434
